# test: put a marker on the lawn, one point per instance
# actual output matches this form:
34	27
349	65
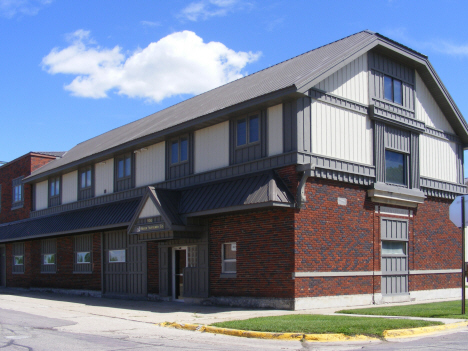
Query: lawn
320	324
446	309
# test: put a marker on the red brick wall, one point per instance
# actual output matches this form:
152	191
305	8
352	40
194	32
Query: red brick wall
64	278
20	167
265	254
153	267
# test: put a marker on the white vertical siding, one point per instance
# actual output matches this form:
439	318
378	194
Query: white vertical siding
427	109
275	130
341	133
41	195
149	210
349	82
212	147
104	177
438	158
150	165
70	187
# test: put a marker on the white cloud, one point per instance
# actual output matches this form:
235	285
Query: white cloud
205	9
180	63
150	23
11	8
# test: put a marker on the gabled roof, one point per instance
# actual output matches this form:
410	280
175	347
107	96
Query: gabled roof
284	80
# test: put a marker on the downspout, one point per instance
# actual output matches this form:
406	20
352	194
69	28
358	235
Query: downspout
308	170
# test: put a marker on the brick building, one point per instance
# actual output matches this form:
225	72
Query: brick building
324	180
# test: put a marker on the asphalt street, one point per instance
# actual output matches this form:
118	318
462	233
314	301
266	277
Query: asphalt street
41	321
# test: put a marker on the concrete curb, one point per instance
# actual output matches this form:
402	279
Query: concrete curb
388	334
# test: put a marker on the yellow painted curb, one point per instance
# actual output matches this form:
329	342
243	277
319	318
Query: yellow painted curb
406	333
388	334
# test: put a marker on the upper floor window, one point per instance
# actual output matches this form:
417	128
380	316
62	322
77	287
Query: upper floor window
179	150
395	167
17	195
393	90
54	191
248	130
85	182
124	172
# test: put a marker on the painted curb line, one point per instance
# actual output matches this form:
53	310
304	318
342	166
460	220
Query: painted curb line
388	334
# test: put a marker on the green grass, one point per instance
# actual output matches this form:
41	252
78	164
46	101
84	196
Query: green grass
320	324
446	309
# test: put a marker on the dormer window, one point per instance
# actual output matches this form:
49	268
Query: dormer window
248	130
54	191
124	173
85	183
179	150
393	90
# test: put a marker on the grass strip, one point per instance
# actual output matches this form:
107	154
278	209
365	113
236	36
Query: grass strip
446	309
321	324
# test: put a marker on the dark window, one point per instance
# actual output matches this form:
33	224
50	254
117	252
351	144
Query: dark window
124	173
248	130
393	90
395	167
179	150
229	258
48	256
54	191
17	196
85	183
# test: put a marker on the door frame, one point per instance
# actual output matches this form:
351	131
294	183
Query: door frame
173	268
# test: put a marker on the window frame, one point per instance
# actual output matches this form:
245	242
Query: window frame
248	118
228	260
17	183
393	89
56	199
124	259
405	167
87	191
126	181
48	248
178	141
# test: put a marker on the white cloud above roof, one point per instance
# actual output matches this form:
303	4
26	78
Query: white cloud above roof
205	9
11	8
180	63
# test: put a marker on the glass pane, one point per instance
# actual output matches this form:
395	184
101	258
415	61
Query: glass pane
19	260
254	130
397	93
128	166
388	88
20	188
229	251
241	132
83	257
395	167
393	248
52	188
116	256
183	149
49	259
83	180
175	152
57	187
88	178
230	267
120	172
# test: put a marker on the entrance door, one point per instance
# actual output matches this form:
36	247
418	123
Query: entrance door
180	262
394	234
2	266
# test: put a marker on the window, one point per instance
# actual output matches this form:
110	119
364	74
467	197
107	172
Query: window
229	258
48	256
392	90
83	257
54	191
85	183
18	260
116	256
248	130
124	172
17	195
49	259
179	150
394	248
395	167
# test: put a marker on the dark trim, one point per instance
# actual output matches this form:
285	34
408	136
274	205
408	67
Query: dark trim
339	101
440	188
125	182
270	204
441	134
397	120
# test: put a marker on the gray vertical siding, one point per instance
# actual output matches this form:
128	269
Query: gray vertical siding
164	271
414	161
379	151
129	277
304	131
460	175
48	246
397	139
196	278
290	126
18	250
83	243
392	229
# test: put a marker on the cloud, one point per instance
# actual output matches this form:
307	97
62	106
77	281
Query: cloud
206	9
150	23
11	8
180	63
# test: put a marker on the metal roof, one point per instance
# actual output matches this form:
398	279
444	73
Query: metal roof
93	218
50	153
293	76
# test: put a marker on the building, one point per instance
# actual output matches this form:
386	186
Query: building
16	197
324	180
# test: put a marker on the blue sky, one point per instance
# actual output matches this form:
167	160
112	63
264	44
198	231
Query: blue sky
73	69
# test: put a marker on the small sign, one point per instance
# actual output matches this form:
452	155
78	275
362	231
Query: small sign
342	201
149	228
234	247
